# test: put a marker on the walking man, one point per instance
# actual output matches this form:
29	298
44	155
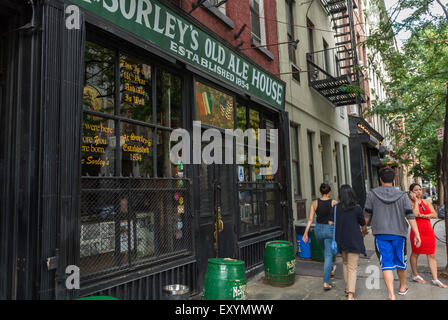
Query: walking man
388	208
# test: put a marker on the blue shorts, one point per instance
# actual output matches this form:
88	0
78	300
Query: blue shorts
391	251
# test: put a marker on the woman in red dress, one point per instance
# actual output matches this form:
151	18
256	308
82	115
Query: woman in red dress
428	245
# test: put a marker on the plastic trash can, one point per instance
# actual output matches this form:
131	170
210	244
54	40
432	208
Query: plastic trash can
303	248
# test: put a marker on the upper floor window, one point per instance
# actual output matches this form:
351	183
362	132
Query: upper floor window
258	30
326	58
290	30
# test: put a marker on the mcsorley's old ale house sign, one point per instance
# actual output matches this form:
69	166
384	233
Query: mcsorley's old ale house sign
165	29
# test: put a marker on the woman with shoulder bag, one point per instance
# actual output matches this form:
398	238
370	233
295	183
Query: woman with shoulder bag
349	219
323	209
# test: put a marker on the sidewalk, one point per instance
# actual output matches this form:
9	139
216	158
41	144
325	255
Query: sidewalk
309	287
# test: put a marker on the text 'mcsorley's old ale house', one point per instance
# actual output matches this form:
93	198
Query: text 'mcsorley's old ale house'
90	93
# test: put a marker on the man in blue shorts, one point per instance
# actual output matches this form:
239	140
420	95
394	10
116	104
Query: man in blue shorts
388	208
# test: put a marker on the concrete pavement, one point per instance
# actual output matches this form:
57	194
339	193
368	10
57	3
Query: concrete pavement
370	284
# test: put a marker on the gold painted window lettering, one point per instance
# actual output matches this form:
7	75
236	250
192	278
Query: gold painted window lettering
136	150
98	146
135	79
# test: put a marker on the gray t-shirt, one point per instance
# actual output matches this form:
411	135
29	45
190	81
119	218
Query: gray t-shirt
388	209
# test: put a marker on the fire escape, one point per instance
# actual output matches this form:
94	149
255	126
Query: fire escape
340	81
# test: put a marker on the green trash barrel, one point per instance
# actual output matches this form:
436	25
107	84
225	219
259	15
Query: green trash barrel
225	279
317	252
279	263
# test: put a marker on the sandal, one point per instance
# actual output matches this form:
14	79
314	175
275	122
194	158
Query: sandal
328	288
439	284
418	279
402	293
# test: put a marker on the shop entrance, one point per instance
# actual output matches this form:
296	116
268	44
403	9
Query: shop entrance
215	194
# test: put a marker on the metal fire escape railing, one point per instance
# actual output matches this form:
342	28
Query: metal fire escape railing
335	72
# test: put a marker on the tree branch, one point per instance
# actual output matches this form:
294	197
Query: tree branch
445	10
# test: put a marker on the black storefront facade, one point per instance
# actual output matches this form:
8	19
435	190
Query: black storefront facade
86	178
365	156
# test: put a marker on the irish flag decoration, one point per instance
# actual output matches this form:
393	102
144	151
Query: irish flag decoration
201	104
207	98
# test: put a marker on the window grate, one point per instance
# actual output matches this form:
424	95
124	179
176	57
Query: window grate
126	222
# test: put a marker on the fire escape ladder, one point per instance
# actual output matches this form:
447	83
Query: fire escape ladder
339	86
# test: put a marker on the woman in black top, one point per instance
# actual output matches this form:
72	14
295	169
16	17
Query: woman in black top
323	208
349	219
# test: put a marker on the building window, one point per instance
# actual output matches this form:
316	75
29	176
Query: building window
344	154
337	66
343	112
310	28
259	210
126	213
326	57
295	162
257	23
291	37
338	164
214	107
290	30
311	163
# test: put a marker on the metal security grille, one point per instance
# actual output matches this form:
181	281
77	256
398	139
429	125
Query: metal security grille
126	222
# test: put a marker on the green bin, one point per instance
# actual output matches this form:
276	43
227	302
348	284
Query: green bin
279	263
317	252
225	279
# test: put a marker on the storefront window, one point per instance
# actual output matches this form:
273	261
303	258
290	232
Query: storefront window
241	117
128	215
135	79
248	216
213	107
169	100
98	146
99	88
166	169
258	194
136	150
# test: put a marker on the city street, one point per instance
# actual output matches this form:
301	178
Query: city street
310	287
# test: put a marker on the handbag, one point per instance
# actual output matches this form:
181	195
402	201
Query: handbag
334	245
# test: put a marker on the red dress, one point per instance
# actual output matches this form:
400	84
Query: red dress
428	245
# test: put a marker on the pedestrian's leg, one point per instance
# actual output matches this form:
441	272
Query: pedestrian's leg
402	275
432	262
328	262
344	269
352	267
414	263
388	276
320	237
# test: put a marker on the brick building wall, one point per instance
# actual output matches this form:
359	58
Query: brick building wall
238	12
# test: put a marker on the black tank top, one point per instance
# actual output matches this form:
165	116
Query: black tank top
323	211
